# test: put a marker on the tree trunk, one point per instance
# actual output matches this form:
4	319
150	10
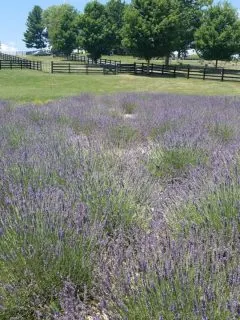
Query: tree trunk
167	58
216	65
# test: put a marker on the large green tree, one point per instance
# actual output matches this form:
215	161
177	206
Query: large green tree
218	38
95	34
150	28
62	26
191	12
114	13
35	35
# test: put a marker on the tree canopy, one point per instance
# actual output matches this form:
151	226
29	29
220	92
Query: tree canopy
62	26
144	28
114	14
35	35
218	37
191	12
150	27
95	34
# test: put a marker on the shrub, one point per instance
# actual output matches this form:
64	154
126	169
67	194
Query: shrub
222	132
122	135
128	107
217	210
37	255
159	131
170	163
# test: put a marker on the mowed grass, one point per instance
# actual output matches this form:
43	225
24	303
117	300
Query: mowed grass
37	87
131	59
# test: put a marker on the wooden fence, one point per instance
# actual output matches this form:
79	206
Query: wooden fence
188	72
87	60
10	64
105	66
58	67
13	62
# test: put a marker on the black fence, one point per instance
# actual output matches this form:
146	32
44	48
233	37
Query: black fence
13	62
87	60
105	66
186	71
10	64
61	67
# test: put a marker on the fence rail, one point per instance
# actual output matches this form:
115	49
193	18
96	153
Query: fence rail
105	66
13	62
87	60
57	67
188	72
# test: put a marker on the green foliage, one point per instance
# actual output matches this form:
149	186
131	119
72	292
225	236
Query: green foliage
37	256
95	32
26	176
222	132
114	13
38	116
218	37
86	128
158	132
111	200
190	19
129	107
163	297
216	210
15	136
174	162
122	135
62	26
150	28
35	35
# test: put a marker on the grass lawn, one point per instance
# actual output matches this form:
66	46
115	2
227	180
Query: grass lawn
131	59
37	87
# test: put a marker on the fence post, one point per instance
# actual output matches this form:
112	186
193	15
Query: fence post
69	68
86	68
222	77
21	64
163	69
11	64
174	71
204	73
142	68
0	64
188	73
51	66
134	67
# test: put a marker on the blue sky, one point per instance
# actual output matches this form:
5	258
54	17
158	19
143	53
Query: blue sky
14	15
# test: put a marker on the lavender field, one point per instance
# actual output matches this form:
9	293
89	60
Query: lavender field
124	206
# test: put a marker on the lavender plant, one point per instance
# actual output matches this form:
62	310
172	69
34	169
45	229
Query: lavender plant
109	216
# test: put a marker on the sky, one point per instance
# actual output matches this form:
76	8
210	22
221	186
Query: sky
14	13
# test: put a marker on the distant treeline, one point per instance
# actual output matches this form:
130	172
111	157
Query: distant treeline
143	28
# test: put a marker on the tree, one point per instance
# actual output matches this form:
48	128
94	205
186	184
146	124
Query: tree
191	12
95	34
62	26
114	12
150	28
218	38
35	35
